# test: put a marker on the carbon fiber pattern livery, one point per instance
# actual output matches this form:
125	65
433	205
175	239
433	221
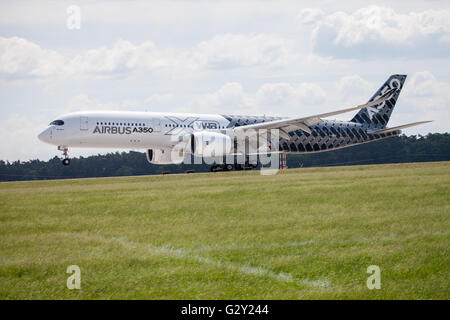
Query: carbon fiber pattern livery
331	135
379	115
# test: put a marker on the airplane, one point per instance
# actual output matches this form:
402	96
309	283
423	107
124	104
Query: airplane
159	133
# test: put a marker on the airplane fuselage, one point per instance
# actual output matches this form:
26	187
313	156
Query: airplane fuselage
217	135
150	130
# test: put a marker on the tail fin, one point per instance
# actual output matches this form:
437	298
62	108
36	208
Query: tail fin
379	115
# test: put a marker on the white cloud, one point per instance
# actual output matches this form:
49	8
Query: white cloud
425	84
82	102
354	86
275	94
20	58
378	31
428	94
230	50
159	102
424	98
229	98
310	15
123	57
19	137
158	98
270	99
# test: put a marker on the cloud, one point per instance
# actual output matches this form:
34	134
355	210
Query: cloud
20	58
355	85
229	51
123	57
424	97
427	93
159	102
270	98
230	97
424	84
310	15
82	102
158	98
380	31
19	137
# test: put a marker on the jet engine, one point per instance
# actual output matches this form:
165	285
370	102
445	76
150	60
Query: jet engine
210	144
165	156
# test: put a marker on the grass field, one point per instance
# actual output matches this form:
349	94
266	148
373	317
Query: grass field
301	234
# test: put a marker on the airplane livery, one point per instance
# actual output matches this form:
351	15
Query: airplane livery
171	137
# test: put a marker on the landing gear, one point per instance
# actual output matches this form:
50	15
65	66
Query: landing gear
236	166
246	166
222	167
65	150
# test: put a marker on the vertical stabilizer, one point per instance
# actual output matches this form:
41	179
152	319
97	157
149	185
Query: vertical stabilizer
379	115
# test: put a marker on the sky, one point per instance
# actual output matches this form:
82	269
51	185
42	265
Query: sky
285	58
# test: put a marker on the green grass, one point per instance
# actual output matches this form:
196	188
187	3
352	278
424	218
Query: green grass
300	234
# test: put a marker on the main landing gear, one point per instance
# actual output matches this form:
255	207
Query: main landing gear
65	150
236	166
222	167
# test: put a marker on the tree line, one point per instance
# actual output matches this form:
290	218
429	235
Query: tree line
432	147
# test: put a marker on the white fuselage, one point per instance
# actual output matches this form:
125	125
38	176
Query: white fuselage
127	130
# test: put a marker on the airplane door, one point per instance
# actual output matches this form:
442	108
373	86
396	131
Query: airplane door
84	123
156	124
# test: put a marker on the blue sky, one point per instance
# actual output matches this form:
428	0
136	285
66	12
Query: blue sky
288	58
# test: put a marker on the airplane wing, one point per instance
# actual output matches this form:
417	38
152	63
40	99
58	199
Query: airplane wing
370	132
292	124
398	127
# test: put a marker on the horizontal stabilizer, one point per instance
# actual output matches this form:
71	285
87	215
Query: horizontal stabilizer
398	127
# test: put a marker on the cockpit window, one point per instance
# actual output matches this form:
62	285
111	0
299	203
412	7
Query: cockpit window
57	123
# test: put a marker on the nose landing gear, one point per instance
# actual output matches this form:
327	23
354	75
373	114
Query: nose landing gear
65	150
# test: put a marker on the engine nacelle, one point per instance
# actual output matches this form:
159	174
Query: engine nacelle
164	156
210	144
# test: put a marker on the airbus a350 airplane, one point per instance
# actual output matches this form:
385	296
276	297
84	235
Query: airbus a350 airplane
159	133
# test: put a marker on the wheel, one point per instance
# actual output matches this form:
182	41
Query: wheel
66	162
213	168
229	167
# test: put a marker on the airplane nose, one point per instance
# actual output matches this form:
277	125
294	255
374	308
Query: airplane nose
45	135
